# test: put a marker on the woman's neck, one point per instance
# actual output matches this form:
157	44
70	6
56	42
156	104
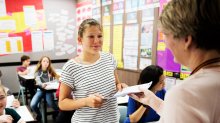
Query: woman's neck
89	58
201	56
44	69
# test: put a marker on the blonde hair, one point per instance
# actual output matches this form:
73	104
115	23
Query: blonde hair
197	18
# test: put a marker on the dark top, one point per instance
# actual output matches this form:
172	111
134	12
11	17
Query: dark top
150	116
13	113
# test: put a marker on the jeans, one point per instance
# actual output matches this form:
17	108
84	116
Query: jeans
35	102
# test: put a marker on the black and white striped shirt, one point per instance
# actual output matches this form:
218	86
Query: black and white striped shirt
90	79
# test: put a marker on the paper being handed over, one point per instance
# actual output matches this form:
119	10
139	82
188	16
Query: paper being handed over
132	89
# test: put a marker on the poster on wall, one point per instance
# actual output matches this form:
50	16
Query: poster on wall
21	19
130	50
11	45
165	58
146	39
117	44
83	11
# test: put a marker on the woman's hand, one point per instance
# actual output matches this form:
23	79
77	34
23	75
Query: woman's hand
15	103
43	85
120	86
6	119
147	97
94	101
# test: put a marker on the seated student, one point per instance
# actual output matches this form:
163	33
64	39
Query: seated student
15	102
7	115
44	73
138	112
22	70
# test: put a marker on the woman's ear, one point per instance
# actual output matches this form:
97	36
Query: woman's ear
79	40
188	42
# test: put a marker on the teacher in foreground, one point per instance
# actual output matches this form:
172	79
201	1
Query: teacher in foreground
191	29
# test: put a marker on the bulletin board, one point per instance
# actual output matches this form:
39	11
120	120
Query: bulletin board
36	28
129	29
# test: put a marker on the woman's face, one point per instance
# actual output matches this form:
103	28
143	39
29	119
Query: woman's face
3	100
176	46
45	63
161	84
92	40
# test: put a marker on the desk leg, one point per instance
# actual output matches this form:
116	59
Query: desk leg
45	108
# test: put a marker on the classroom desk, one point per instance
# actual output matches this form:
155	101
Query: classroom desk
49	89
25	114
31	75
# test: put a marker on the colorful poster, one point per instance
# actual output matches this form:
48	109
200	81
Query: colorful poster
165	58
106	39
83	11
146	39
11	45
117	44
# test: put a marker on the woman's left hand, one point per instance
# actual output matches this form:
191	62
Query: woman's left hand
15	103
120	86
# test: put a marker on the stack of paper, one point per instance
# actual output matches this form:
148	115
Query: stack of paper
132	89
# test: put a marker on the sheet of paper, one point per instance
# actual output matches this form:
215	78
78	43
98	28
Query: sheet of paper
24	113
10	101
52	85
132	89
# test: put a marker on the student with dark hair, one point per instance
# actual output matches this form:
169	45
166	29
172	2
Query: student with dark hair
138	112
22	70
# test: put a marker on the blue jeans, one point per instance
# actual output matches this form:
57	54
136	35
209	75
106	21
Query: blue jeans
37	98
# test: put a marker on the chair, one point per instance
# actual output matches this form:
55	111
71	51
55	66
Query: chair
21	93
123	113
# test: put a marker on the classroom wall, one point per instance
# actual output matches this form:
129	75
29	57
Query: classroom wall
50	7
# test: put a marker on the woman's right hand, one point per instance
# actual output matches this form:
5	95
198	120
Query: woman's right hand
43	85
6	119
94	100
147	97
